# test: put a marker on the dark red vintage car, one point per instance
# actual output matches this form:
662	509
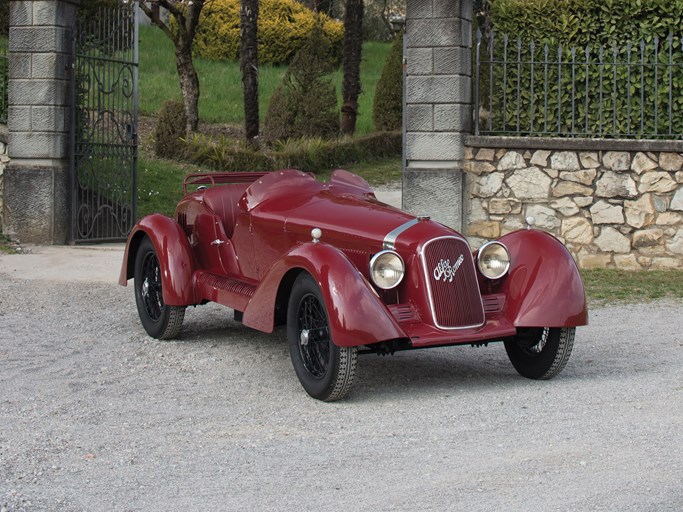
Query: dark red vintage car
347	273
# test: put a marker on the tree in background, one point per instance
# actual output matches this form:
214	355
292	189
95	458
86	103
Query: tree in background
305	103
387	107
351	56
185	19
249	67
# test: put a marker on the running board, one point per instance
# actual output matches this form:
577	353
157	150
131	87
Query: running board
226	291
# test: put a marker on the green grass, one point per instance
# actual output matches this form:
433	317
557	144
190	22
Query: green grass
220	82
605	286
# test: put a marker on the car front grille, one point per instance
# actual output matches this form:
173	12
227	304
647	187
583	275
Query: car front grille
452	283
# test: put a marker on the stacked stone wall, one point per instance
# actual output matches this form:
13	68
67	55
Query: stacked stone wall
612	209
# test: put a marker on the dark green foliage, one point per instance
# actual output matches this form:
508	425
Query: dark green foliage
387	108
310	155
606	27
89	10
4	18
305	103
169	130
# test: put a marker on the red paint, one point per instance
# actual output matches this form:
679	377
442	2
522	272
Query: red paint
241	244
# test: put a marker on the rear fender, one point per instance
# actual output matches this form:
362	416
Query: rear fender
174	254
543	287
356	314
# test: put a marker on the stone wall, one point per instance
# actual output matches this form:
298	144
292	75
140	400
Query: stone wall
612	209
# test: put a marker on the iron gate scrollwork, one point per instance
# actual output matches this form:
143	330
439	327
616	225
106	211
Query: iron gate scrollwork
104	125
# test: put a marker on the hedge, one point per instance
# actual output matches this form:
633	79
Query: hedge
573	102
283	27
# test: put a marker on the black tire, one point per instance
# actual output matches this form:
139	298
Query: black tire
325	370
540	352
159	320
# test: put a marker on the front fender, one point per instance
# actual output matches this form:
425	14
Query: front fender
356	314
543	287
174	254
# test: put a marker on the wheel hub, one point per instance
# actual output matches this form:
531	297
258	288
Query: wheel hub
304	337
145	288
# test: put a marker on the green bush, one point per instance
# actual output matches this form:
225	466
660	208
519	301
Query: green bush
4	18
305	103
387	108
567	102
283	28
309	155
170	129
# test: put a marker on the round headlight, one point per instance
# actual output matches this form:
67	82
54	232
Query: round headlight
493	260
386	269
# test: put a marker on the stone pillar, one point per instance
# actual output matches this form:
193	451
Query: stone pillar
36	183
438	107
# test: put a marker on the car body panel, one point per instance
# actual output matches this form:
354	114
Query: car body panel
242	242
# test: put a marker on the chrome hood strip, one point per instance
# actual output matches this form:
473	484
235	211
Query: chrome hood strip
390	239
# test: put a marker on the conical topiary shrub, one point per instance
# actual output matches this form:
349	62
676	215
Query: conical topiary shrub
305	103
387	108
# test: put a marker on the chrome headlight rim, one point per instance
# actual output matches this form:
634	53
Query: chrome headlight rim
485	250
375	260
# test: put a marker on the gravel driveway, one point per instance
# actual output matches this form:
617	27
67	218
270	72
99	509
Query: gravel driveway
96	416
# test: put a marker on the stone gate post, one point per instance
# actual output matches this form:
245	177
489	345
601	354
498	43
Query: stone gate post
36	183
438	103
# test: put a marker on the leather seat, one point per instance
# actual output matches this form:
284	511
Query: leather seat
224	202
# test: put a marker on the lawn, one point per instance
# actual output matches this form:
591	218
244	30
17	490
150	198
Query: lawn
221	81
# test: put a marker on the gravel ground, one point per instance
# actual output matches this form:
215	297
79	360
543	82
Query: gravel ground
96	416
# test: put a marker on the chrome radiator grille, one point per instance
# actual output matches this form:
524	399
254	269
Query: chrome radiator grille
452	283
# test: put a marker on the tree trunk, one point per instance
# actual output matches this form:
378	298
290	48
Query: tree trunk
249	67
189	85
351	56
182	35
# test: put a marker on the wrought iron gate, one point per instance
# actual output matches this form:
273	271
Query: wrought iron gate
104	103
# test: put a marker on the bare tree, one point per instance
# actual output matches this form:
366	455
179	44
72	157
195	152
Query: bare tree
249	65
186	14
351	57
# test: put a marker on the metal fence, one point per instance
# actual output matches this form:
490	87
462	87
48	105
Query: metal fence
630	91
4	80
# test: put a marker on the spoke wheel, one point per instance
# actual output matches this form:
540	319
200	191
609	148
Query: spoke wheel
540	353
159	320
325	370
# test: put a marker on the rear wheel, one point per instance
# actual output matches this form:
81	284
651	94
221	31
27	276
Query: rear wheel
159	320
540	352
325	370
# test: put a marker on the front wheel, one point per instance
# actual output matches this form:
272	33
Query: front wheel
540	352
325	370
159	320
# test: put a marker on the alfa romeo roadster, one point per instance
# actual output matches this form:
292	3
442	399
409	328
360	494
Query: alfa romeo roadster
347	274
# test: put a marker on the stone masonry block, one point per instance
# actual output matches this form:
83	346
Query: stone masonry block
49	12
38	92
38	145
21	13
438	89
419	8
33	198
438	32
49	119
453	9
435	192
20	65
50	65
420	118
420	61
452	61
435	146
452	118
19	119
39	39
